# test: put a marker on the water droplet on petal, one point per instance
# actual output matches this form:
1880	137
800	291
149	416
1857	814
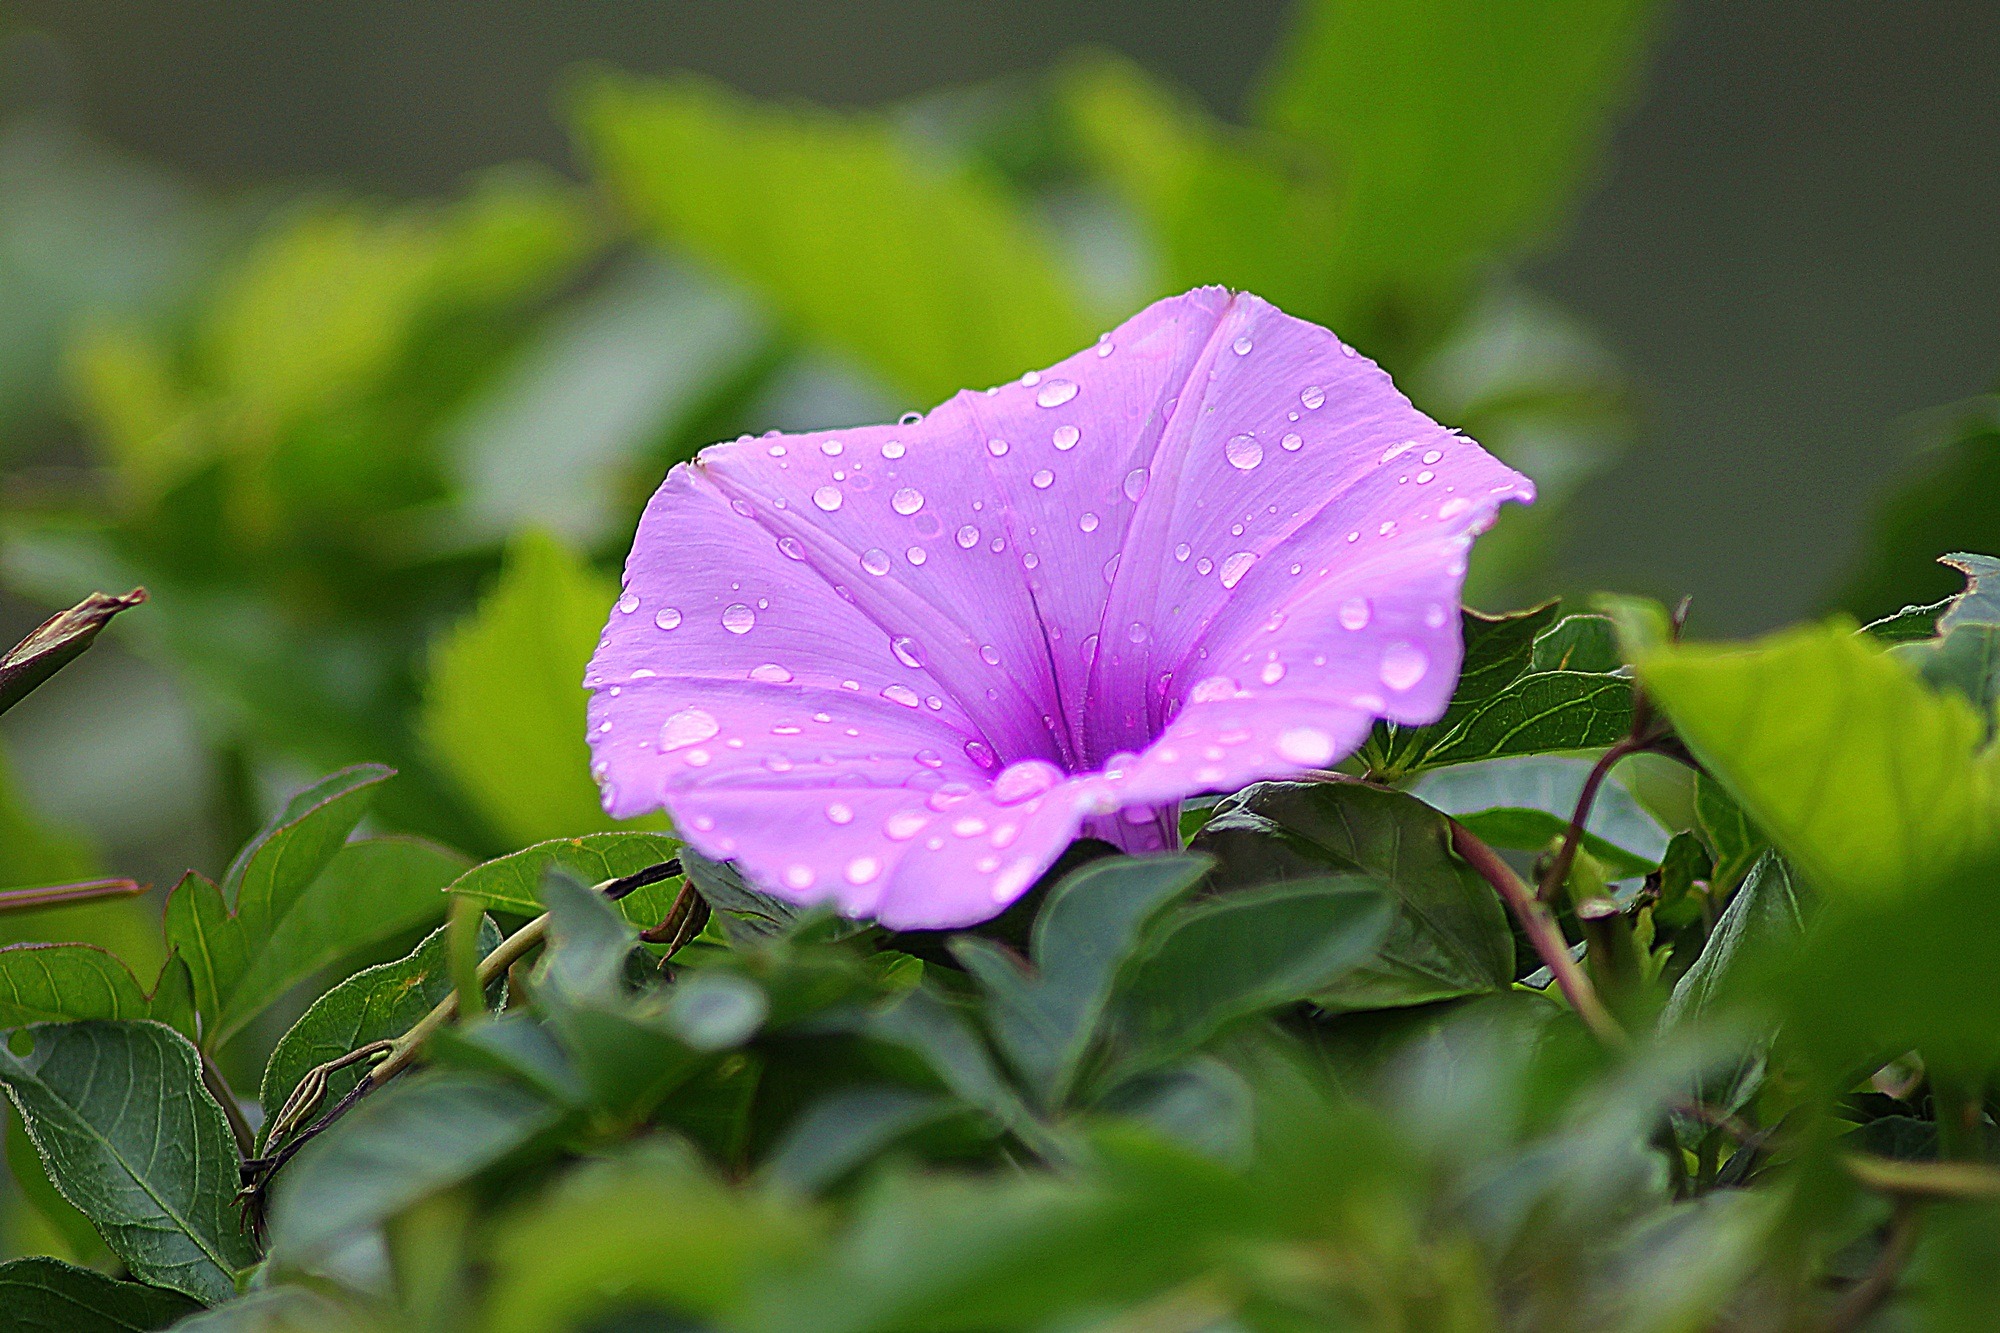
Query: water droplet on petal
698	758
777	451
1088	522
1056	392
790	548
1434	616
1137	632
1305	745
904	825
827	498
1023	780
916	555
1212	689
1242	344
929	758
738	618
770	673
989	655
798	877
831	448
1088	649
862	869
1425	478
687	727
967	537
980	753
909	418
1111	568
1043	479
971	826
1030	560
893	450
875	560
1244	452
667	617
1272	673
1354	613
1236	566
1453	507
1203	566
1066	437
1291	443
909	652
901	694
840	814
1432	456
628	603
1312	395
1403	665
998	448
907	501
1135	484
1182	552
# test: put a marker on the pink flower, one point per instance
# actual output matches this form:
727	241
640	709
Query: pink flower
902	667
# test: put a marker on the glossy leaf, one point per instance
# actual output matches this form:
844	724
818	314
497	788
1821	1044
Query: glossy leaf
275	867
1524	830
1447	933
514	883
374	1004
1550	785
39	1295
128	1133
1733	841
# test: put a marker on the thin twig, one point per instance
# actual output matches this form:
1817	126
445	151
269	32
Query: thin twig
61	895
1865	1297
1962	1181
1542	933
1559	868
218	1087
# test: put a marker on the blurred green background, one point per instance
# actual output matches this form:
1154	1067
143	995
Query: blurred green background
309	312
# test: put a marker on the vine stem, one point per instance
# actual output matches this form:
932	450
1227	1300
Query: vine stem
1542	932
1558	871
218	1088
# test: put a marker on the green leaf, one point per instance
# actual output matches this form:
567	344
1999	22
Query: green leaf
1549	712
936	1031
1535	830
1578	643
1864	777
503	710
925	271
372	890
275	867
1945	505
100	1100
588	944
514	883
57	982
746	914
1499	650
844	1129
72	1229
375	1004
1431	193
1224	959
57	642
1043	1019
518	1046
1766	915
397	1146
1447	933
1979	604
282	1309
1549	786
206	936
1966	662
49	1296
1733	841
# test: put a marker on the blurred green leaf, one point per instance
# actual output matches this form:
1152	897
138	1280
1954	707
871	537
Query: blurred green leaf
1946	506
372	890
1863	776
504	710
1966	662
397	1146
746	914
1459	133
277	865
49	1296
57	982
845	1129
1224	959
375	1004
922	269
1733	841
1044	1017
100	1100
513	883
1446	933
937	1031
281	1309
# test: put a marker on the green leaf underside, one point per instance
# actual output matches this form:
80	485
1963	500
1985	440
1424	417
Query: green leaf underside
130	1136
40	1295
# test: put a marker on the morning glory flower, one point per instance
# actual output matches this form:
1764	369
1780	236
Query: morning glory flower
901	667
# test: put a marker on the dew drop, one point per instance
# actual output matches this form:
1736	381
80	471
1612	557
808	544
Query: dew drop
1387	527
1242	344
1212	689
1182	552
1305	745
1434	616
1432	456
980	753
989	655
698	758
1236	566
901	694
790	548
1426	477
1111	568
916	555
1403	665
798	877
1312	396
1244	452
997	447
971	826
875	560
1030	561
893	450
827	498
667	617
929	758
907	501
1024	780
687	727
738	618
1066	437
1203	566
909	418
967	537
1354	613
1031	378
1043	479
770	673
777	451
1056	392
1291	443
862	869
998	545
1088	649
1453	507
909	652
1272	673
1104	345
1137	632
904	825
1135	484
1088	523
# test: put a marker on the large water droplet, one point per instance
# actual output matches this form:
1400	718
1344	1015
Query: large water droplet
790	548
770	673
967	537
1056	392
688	727
1182	552
1242	344
916	555
1272	673
989	655
980	753
907	501
1088	523
875	560
1203	566
1425	477
1135	484
628	603
1244	452
831	448
1236	566
901	694
1043	479
893	450
997	447
1291	443
862	869
904	825
1432	455
1312	395
1024	780
1354	613
1305	745
909	652
840	814
929	758
827	498
1066	437
667	617
1111	568
738	618
1403	665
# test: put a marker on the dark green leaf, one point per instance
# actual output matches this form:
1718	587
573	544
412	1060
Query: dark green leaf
1549	784
206	936
1685	872
1578	643
517	1046
1766	915
1548	712
285	1309
25	1165
275	867
1044	1019
1226	958
845	1129
57	642
935	1030
398	1146
1979	604
1449	934
1200	1103
100	1101
372	890
1733	841
52	982
588	943
1966	662
1499	650
49	1296
375	1004
746	914
514	883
